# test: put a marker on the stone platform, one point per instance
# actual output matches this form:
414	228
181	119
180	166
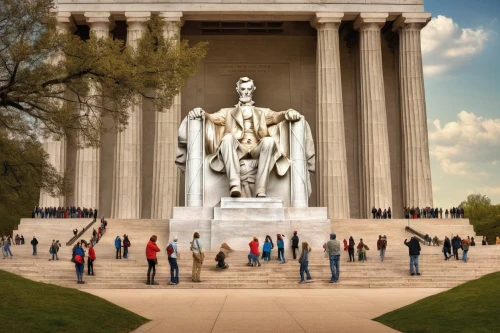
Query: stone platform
236	220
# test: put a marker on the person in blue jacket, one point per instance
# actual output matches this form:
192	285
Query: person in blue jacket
118	246
281	249
78	258
266	249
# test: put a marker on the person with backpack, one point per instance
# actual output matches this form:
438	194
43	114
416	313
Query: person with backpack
172	261
54	248
198	257
78	259
295	244
126	245
118	247
151	250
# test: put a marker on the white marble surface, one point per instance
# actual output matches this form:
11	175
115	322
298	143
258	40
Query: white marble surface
228	202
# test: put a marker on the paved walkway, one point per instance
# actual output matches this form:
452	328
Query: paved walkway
260	310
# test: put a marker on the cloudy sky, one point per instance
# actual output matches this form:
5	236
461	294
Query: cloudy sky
461	50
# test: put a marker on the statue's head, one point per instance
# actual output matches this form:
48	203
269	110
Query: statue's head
245	88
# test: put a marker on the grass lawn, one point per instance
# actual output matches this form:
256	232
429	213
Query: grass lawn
28	306
470	307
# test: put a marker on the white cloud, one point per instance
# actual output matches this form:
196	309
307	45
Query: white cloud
463	146
446	45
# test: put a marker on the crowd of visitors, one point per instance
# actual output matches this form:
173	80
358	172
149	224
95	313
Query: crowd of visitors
64	212
381	214
433	213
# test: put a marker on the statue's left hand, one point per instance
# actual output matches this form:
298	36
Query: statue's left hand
292	115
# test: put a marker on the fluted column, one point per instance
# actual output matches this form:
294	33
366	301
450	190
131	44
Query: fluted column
331	152
56	149
165	172
374	135
87	169
417	184
127	183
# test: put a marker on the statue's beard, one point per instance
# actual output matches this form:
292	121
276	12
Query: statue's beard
245	99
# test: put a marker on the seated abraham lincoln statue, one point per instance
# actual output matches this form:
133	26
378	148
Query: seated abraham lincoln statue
233	136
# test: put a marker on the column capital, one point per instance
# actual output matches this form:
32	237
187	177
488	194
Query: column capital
97	17
64	21
418	20
173	18
370	18
137	16
321	19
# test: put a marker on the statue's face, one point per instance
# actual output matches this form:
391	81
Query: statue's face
246	91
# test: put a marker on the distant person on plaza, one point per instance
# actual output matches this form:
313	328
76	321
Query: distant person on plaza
22	240
381	246
456	243
172	261
118	247
253	256
95	214
447	248
90	260
414	252
34	243
361	250
54	248
346	246
304	263
472	242
446	213
389	213
295	244
78	258
465	249
198	257
126	245
151	250
75	231
18	240
484	241
266	248
281	249
374	212
6	247
333	250
350	249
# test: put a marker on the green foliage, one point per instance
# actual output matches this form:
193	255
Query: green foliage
484	216
470	307
54	84
29	306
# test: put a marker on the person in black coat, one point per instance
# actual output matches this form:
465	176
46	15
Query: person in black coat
34	243
374	211
414	252
295	244
456	243
447	248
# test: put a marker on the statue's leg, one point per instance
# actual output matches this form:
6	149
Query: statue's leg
228	151
265	153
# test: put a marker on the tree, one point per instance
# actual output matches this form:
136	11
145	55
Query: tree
54	84
484	216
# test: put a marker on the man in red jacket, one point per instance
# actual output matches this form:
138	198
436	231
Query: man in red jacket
253	256
91	259
151	250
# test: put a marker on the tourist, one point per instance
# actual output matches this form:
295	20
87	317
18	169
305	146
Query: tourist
91	259
381	246
198	257
95	214
78	258
266	249
281	249
484	241
456	243
446	213
361	250
295	244
346	247
220	258
54	248
441	213
151	249
379	213
374	212
304	263
75	231
118	247
172	261
447	248
389	213
34	243
2	246
126	245
6	247
253	256
333	249
465	249
472	242
414	251
17	239
22	240
351	249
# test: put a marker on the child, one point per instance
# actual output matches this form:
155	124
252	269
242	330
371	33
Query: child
266	249
281	249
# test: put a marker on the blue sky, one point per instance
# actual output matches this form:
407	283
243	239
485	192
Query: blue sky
461	48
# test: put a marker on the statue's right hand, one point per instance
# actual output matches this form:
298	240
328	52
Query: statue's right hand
196	113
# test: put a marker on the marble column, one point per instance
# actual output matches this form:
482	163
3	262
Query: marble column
417	184
87	169
127	182
56	149
331	152
165	172
374	133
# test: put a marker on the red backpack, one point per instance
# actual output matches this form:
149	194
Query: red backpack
170	250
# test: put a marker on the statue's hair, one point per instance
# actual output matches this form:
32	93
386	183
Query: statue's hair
245	80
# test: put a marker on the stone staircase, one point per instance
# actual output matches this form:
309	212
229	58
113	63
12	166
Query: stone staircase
131	273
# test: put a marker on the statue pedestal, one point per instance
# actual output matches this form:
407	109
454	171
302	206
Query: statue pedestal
236	221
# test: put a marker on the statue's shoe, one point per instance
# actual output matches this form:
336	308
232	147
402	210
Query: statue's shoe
261	195
235	192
